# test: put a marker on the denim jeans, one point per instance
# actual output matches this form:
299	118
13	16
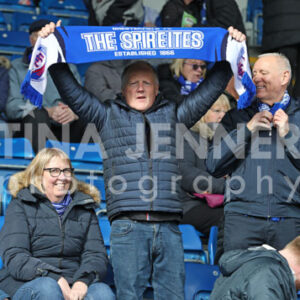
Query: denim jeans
144	252
46	288
3	295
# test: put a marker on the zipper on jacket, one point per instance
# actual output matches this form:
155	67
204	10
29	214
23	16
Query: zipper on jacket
148	151
273	154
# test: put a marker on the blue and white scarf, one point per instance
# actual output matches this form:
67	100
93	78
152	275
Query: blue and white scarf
186	85
63	205
85	44
278	105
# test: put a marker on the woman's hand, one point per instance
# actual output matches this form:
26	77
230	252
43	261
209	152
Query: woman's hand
78	291
48	29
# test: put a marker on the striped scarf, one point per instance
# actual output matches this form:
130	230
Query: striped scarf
62	206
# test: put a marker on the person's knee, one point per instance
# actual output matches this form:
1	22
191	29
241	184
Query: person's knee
100	291
47	286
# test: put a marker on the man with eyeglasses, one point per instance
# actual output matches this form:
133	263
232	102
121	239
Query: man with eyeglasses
142	207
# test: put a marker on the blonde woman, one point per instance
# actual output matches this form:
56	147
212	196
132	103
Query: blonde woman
196	179
207	124
180	78
51	243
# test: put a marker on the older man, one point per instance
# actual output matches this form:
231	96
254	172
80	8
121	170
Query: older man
260	152
138	131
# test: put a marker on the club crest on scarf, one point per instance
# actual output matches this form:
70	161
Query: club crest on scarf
241	63
39	65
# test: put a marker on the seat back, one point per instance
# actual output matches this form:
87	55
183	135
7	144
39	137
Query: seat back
105	230
212	244
22	21
192	245
15	155
13	42
199	280
15	5
65	8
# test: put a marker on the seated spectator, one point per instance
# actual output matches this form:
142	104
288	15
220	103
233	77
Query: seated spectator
198	13
57	115
195	178
180	78
103	78
4	88
51	244
121	12
259	273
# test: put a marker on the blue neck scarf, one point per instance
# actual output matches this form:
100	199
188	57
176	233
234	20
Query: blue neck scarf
85	44
203	13
278	105
62	206
186	85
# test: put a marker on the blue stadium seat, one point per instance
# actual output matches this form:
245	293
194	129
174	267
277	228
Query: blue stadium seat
15	155
79	152
212	244
16	148
4	25
14	5
73	21
199	280
105	230
22	21
13	42
192	245
66	8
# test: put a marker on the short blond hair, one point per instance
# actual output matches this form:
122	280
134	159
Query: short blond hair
206	131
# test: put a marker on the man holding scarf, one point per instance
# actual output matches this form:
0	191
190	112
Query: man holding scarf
139	167
259	149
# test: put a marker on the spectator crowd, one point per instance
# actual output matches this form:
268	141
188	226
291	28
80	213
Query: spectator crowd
237	169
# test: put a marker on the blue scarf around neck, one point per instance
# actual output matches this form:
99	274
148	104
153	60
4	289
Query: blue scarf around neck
186	85
63	205
278	105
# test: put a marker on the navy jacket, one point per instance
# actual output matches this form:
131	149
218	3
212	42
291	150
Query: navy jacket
263	168
140	162
256	274
35	242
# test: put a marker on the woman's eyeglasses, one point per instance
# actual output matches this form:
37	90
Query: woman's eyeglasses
55	172
196	66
